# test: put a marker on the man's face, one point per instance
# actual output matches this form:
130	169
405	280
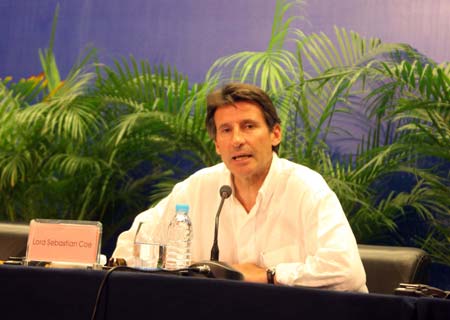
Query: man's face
244	141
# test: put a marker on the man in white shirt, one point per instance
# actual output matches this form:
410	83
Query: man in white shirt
282	224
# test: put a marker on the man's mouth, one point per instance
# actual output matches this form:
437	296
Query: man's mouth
241	157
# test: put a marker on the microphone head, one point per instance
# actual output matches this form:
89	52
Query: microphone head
225	191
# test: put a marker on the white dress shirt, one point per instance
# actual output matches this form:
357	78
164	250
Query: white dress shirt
297	226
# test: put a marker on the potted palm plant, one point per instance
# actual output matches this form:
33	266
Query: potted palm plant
108	141
393	105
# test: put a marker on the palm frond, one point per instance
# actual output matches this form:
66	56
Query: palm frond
272	69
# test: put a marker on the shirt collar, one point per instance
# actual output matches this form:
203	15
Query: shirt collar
267	189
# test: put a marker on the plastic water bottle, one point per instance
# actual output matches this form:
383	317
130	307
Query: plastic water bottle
179	236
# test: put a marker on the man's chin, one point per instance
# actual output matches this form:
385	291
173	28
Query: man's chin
241	171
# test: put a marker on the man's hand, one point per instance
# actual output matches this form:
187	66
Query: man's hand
252	272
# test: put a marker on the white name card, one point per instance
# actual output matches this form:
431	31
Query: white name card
65	241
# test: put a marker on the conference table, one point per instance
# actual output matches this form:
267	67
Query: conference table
51	293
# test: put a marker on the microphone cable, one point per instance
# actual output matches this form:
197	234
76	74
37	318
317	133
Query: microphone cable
179	272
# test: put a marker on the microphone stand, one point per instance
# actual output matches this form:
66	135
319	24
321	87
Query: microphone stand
215	247
215	268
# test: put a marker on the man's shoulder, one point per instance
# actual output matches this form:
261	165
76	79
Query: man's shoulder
203	181
216	172
219	168
294	168
296	173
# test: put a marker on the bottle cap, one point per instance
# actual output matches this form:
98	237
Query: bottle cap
182	207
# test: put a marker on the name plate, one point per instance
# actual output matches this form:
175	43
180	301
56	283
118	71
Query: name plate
64	241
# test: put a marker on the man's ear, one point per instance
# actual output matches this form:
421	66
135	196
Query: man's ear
276	135
217	147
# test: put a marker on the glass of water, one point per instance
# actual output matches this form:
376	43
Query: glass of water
149	252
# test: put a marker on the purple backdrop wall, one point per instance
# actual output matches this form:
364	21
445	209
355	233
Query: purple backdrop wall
192	34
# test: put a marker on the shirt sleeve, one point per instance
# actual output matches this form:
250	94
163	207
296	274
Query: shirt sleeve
330	253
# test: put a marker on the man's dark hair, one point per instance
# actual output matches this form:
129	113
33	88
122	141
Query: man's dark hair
231	93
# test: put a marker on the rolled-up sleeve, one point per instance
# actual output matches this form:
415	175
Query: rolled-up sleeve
330	253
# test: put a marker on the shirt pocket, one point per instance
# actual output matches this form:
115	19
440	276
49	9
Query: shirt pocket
280	255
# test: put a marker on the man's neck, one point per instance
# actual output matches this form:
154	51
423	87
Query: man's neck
246	189
246	196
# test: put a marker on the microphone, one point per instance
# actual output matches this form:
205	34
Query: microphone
215	268
225	192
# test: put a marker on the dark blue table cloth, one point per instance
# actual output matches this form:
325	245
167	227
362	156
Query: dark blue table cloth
45	293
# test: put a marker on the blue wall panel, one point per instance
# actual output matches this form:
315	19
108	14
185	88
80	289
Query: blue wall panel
192	34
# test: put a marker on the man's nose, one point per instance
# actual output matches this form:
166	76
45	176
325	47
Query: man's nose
237	138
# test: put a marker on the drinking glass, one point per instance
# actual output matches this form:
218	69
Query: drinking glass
149	252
